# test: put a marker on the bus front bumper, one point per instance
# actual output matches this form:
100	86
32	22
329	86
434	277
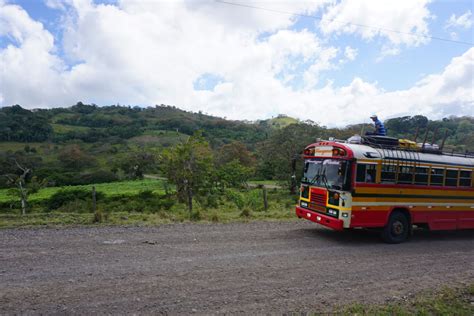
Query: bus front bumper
325	220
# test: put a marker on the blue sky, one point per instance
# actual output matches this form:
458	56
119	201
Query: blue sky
241	62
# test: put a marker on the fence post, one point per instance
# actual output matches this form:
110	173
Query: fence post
265	197
94	200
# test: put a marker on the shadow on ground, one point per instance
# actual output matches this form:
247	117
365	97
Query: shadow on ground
369	236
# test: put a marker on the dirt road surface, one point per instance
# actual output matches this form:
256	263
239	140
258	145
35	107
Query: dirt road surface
260	267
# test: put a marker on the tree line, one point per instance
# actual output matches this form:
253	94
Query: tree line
88	144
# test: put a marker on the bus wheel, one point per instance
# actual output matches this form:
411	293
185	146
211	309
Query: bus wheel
397	229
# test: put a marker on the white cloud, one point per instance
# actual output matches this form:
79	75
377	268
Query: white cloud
56	4
350	53
151	53
387	19
462	21
454	36
30	72
388	50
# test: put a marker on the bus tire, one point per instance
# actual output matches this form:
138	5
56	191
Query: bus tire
397	229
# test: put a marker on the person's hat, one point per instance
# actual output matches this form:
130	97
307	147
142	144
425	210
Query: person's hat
373	116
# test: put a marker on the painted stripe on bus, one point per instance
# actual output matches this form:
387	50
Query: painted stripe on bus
413	196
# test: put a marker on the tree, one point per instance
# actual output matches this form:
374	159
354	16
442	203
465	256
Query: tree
73	157
233	174
18	124
235	151
279	156
135	164
189	165
20	182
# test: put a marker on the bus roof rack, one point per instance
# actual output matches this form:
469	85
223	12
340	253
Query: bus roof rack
385	142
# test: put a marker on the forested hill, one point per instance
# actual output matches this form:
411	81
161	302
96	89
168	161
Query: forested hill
86	144
90	124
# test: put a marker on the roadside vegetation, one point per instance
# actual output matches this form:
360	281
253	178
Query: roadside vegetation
446	301
143	202
162	164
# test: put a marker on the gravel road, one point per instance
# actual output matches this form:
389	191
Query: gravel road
260	267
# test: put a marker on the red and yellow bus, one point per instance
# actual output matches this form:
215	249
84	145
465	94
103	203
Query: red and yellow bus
348	186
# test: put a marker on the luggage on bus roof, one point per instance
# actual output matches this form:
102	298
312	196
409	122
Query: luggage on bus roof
383	141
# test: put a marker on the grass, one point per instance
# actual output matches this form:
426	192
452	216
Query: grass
447	301
158	138
63	128
179	214
15	146
126	188
109	189
281	122
153	209
265	182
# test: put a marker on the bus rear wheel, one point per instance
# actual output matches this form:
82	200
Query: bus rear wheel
397	229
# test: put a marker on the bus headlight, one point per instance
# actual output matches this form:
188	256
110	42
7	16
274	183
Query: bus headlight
332	212
304	204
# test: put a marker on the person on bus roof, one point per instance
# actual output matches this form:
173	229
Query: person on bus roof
379	127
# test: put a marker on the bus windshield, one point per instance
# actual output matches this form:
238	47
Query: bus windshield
329	173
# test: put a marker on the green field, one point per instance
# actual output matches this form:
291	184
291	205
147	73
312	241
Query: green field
108	189
281	121
63	128
14	146
144	202
158	138
265	182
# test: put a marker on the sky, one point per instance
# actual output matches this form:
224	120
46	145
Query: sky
332	62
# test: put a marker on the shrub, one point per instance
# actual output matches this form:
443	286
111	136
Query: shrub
215	218
60	177
195	216
146	194
63	197
99	176
245	213
254	200
213	200
236	198
167	202
76	206
100	216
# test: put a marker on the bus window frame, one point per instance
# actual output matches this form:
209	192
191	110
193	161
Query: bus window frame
442	176
470	179
374	177
411	168
395	167
451	178
427	174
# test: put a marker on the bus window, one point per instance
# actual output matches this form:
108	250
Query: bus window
405	175
366	173
388	173
436	176
451	179
465	178
421	176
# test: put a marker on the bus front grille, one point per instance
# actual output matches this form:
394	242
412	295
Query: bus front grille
318	198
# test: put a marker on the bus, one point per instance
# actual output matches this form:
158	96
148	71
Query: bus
356	185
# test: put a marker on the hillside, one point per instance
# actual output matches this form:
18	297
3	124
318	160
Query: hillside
90	123
280	121
86	144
